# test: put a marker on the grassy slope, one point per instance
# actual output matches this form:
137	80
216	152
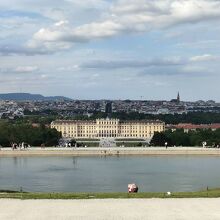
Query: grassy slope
212	193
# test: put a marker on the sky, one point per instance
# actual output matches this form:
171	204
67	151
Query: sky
111	49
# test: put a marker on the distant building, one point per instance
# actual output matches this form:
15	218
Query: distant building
177	100
108	108
178	97
102	128
163	111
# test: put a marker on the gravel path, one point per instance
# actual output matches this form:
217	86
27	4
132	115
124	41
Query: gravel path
111	209
90	151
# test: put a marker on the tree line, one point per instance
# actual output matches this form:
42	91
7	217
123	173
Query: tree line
191	117
21	132
192	138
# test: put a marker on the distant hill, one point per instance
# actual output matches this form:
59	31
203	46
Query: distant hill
30	97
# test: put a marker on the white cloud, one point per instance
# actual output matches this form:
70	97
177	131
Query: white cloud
119	64
44	76
32	48
203	58
61	23
73	68
89	3
19	69
128	16
194	69
26	69
80	34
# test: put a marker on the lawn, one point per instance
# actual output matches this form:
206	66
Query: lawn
211	193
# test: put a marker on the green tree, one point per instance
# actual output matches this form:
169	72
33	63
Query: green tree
159	139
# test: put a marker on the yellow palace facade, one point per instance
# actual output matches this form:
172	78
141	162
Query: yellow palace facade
108	128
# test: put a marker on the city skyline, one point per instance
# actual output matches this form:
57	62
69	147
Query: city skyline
111	49
41	97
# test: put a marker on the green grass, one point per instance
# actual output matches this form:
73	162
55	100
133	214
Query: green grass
212	193
129	139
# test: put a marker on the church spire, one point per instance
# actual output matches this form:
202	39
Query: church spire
178	97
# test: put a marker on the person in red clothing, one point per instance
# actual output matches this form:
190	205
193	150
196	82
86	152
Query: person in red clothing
132	188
